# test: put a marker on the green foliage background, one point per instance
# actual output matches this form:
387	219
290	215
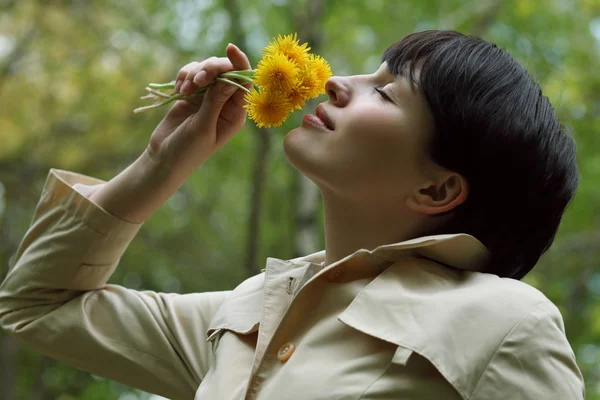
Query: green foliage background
71	72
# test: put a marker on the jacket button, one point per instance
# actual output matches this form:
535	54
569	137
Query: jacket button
286	351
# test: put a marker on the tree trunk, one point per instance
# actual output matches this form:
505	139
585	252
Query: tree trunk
263	147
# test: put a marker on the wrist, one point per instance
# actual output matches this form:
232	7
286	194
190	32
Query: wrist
138	191
162	168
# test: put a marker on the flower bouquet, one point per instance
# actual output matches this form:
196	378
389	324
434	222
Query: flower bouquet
285	78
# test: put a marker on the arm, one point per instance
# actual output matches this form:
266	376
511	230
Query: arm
191	132
55	298
535	361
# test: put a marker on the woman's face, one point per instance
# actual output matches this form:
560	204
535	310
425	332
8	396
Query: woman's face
369	139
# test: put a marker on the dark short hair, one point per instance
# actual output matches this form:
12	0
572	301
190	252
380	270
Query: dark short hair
494	127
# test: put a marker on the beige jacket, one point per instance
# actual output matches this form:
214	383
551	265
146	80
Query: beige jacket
410	320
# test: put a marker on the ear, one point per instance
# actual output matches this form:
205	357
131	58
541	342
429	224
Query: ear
441	196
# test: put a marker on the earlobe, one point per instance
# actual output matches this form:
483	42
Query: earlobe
437	198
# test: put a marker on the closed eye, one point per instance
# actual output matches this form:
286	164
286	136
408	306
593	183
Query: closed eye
383	94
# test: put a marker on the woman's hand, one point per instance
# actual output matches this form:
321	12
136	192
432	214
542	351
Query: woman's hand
195	129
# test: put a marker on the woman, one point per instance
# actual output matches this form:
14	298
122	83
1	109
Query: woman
444	176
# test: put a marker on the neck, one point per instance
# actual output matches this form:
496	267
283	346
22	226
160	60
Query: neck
353	226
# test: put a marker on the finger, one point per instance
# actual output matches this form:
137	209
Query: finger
215	66
238	98
180	111
190	83
213	102
191	70
233	111
183	73
240	61
197	100
201	66
195	76
238	58
185	69
204	72
199	73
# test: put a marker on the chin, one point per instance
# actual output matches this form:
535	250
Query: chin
302	152
292	146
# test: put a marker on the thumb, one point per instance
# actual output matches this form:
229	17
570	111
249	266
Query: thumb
214	99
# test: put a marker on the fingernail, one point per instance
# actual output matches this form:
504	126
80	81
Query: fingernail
178	85
228	89
199	79
186	86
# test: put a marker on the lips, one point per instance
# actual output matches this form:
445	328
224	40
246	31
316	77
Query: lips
322	115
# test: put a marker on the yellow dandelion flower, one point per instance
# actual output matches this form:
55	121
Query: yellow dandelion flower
285	78
322	69
289	46
298	96
310	83
266	108
276	73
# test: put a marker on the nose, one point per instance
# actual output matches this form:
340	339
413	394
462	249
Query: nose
338	91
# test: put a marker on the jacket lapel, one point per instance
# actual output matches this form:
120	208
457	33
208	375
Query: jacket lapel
258	300
240	312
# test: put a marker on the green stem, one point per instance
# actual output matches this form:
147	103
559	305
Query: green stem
170	85
243	75
245	72
156	92
178	96
233	83
234	75
167	101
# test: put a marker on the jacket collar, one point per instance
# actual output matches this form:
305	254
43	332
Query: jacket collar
460	251
241	311
421	285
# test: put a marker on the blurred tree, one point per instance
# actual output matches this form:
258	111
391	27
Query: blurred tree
71	73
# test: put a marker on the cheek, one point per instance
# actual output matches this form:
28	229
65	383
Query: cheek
370	117
372	132
374	147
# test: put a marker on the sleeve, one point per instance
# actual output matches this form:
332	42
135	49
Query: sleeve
535	361
55	298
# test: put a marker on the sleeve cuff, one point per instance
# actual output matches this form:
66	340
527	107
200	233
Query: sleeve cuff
69	191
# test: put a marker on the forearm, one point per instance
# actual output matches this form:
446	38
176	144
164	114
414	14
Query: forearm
55	298
138	191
